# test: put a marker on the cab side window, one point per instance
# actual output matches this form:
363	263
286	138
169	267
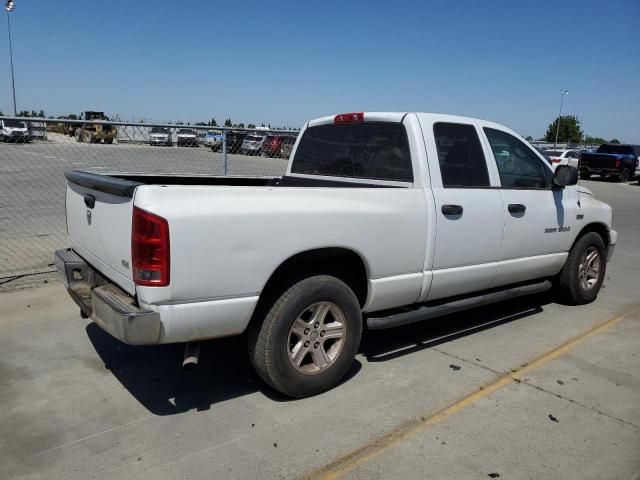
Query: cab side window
518	166
462	163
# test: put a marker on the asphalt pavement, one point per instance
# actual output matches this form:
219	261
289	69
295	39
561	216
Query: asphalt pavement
521	390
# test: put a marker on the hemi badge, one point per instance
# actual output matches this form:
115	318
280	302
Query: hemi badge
580	216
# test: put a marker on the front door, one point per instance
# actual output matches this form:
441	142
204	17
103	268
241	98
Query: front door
537	218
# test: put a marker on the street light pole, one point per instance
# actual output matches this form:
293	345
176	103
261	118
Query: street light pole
562	94
9	7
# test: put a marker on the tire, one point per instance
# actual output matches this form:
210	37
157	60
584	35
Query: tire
577	286
624	176
290	334
108	141
78	134
585	176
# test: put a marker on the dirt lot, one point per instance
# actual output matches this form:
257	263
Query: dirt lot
527	389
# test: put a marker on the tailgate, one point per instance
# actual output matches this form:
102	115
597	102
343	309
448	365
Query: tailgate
600	160
99	212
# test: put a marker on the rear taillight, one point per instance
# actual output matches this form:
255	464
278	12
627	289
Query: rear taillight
349	118
618	163
149	249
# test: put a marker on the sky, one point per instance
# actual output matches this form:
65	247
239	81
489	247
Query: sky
283	63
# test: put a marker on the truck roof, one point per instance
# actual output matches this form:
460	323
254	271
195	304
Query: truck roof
394	117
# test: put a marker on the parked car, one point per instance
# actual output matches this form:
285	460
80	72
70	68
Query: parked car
160	136
569	157
617	161
187	137
415	218
213	140
14	131
252	144
287	146
234	141
272	146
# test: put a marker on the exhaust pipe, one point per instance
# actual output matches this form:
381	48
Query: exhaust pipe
191	356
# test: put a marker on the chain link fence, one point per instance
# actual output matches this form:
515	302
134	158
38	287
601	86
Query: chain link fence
35	153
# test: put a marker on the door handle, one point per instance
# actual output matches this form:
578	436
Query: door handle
452	209
89	201
517	208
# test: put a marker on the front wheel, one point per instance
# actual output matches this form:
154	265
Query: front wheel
309	338
584	270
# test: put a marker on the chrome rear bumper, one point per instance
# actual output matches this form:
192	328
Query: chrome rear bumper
105	303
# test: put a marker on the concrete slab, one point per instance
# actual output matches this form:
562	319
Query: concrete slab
525	430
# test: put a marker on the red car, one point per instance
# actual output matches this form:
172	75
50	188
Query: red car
276	146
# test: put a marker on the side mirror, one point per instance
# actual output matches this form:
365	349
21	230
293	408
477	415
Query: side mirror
564	176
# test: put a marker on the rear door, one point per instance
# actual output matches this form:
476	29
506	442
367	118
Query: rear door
537	219
99	213
469	212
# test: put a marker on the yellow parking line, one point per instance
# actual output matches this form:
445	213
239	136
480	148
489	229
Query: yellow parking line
376	447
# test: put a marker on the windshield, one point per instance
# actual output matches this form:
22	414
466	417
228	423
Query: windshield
253	138
159	130
14	124
186	131
374	150
553	153
619	149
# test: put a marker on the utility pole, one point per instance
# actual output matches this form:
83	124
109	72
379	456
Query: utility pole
9	6
562	94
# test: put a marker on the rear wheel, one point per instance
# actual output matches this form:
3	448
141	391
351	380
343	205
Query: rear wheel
584	270
624	176
309	338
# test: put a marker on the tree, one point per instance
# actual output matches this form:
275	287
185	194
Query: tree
213	123
614	140
251	125
241	125
569	130
228	123
594	140
528	138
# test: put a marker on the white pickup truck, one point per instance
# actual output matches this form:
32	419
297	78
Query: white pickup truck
382	219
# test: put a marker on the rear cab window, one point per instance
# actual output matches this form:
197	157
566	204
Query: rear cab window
367	150
616	149
460	156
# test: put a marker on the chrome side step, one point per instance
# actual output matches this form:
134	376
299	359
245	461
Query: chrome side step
427	312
